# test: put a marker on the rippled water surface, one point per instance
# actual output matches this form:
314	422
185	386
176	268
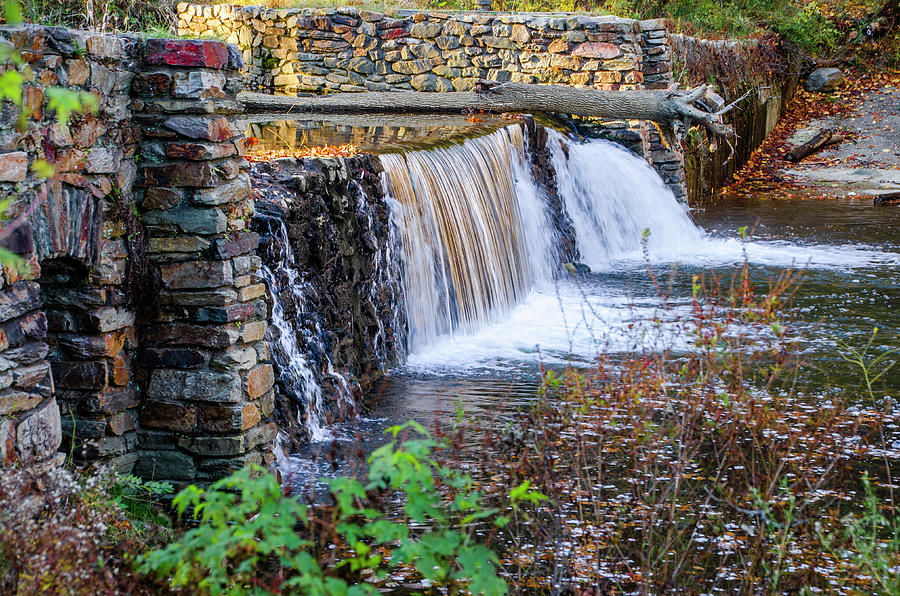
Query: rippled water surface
849	253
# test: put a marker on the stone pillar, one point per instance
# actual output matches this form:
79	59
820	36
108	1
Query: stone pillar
76	243
209	395
656	65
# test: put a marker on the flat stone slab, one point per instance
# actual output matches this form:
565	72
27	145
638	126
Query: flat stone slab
865	180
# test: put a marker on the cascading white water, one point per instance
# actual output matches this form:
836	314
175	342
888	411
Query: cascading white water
612	197
293	356
475	233
295	370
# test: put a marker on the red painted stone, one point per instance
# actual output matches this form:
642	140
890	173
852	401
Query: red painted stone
176	52
394	33
597	49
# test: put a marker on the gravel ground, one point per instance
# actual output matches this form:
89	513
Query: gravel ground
866	164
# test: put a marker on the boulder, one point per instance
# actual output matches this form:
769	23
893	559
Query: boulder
823	80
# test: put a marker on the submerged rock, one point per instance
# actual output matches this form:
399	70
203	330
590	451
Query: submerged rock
577	268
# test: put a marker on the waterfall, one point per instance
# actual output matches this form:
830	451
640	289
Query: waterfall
474	231
612	196
296	341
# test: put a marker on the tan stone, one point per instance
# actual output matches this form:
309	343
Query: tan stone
259	380
250	416
559	46
520	34
13	166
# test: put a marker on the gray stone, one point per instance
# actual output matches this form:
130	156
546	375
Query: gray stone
168	465
823	80
213	446
229	192
40	434
425	30
190	221
195	385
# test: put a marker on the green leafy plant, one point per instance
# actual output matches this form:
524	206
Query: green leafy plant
246	522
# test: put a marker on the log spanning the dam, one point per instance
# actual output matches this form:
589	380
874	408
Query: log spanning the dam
663	107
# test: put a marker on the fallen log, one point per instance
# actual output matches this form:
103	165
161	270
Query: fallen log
888	198
667	108
824	139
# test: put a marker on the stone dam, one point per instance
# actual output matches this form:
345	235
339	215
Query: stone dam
177	313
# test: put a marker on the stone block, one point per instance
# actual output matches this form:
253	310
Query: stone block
104	320
32	326
210	336
254	331
199	127
181	244
168	415
412	67
227	418
13	401
151	83
239	243
120	374
199	174
120	423
19	240
39	435
199	151
216	297
198	83
235	190
7	442
80	375
236	358
425	30
267	404
189	220
13	166
259	380
162	198
172	52
166	465
597	49
184	357
260	435
195	385
251	292
213	446
106	401
196	274
32	377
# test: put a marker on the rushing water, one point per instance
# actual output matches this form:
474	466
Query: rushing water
475	235
488	309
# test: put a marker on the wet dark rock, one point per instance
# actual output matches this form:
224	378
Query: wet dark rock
337	224
545	176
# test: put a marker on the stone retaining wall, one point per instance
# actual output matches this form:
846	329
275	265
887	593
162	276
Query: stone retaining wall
139	287
345	49
762	72
295	51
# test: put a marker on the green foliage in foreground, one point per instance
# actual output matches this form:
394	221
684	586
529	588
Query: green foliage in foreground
247	523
